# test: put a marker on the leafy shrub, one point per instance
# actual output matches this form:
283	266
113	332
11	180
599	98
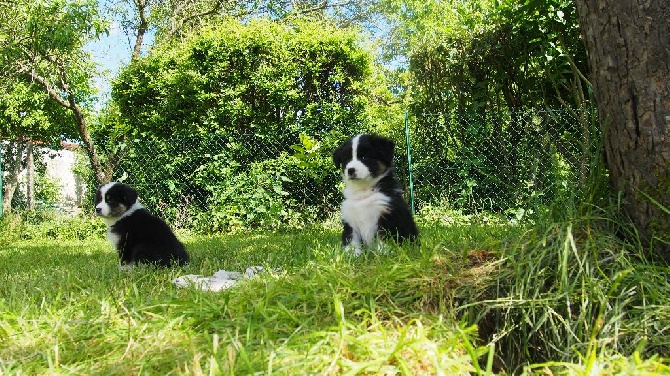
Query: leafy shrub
253	198
260	77
244	97
270	193
50	224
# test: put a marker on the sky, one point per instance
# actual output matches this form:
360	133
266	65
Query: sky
112	52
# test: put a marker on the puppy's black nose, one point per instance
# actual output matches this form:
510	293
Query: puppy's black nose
351	172
98	210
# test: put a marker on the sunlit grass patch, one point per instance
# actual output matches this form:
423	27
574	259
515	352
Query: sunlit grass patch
472	298
417	346
67	308
568	288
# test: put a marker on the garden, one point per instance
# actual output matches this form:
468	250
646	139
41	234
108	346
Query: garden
527	263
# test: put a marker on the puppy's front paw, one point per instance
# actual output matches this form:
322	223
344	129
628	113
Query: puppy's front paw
353	249
127	267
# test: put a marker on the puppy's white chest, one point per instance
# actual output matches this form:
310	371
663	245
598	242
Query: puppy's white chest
113	237
361	211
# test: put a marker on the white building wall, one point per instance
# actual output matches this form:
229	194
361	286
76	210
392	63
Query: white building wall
59	165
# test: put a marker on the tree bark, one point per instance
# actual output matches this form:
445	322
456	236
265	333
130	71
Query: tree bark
628	46
30	167
69	102
14	163
142	27
99	172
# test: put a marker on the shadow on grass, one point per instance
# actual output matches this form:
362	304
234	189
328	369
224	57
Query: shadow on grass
53	253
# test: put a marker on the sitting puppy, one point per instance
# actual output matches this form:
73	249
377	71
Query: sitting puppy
137	235
373	206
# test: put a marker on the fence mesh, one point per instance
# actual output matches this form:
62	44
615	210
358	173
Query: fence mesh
219	182
492	162
501	162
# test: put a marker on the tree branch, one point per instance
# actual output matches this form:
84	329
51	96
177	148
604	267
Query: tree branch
142	28
175	30
45	84
572	63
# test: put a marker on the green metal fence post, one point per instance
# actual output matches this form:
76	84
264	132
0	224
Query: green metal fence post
0	179
409	163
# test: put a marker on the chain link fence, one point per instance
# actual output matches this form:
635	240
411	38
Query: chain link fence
483	162
223	182
501	162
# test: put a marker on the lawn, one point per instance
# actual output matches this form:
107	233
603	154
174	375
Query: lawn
67	309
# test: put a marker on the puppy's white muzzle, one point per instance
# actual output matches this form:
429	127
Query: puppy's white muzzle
102	209
356	170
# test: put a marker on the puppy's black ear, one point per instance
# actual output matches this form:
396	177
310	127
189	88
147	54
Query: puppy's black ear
98	196
129	195
384	148
337	156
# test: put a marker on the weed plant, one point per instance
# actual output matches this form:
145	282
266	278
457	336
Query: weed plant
574	292
46	224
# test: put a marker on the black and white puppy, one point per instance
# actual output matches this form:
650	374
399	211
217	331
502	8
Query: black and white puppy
137	235
373	206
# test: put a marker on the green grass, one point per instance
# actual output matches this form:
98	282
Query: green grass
475	297
67	308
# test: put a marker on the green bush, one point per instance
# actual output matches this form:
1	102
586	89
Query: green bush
244	97
50	224
291	190
261	77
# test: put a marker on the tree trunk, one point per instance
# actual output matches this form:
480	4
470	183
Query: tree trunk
68	101
13	164
142	27
30	167
628	46
99	171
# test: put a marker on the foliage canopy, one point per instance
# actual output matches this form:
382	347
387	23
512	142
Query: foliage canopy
233	89
261	77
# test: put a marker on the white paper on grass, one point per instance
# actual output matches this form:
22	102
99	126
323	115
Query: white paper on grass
221	280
